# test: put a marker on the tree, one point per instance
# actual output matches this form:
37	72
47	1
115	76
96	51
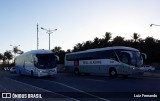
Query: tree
61	54
1	57
107	36
8	55
15	50
68	51
150	46
135	37
56	49
96	42
87	45
77	47
150	40
118	40
104	42
151	49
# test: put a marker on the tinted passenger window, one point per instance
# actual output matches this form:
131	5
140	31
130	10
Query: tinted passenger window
107	54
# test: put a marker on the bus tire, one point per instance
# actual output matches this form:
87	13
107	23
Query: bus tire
112	72
76	71
31	73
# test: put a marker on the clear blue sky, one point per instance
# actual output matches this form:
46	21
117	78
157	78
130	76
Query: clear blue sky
76	21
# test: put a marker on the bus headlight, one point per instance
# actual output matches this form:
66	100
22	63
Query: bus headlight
40	71
132	67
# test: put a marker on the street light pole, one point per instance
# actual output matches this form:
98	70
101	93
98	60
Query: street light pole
37	36
49	32
154	25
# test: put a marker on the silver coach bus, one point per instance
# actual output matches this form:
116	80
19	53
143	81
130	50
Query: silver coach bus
112	61
37	63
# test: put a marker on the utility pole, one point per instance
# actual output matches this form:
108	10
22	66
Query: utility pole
37	37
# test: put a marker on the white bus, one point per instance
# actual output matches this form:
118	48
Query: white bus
36	63
112	61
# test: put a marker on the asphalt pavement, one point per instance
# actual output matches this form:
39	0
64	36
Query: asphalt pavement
68	87
14	90
151	74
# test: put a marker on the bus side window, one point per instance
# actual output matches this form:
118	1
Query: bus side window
111	55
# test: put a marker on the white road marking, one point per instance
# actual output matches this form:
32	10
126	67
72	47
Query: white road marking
78	90
44	90
7	91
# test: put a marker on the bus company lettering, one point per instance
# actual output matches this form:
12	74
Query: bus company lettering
26	96
92	62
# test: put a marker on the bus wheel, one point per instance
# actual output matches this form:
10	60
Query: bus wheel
76	71
113	72
31	73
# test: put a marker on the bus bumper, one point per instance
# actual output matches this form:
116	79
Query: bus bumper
137	72
50	72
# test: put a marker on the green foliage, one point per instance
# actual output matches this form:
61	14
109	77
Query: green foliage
149	45
135	37
7	56
61	53
118	41
1	56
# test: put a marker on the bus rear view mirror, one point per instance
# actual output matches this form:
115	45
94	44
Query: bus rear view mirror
57	57
144	55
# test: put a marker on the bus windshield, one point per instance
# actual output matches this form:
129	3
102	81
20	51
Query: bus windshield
130	57
46	61
136	60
